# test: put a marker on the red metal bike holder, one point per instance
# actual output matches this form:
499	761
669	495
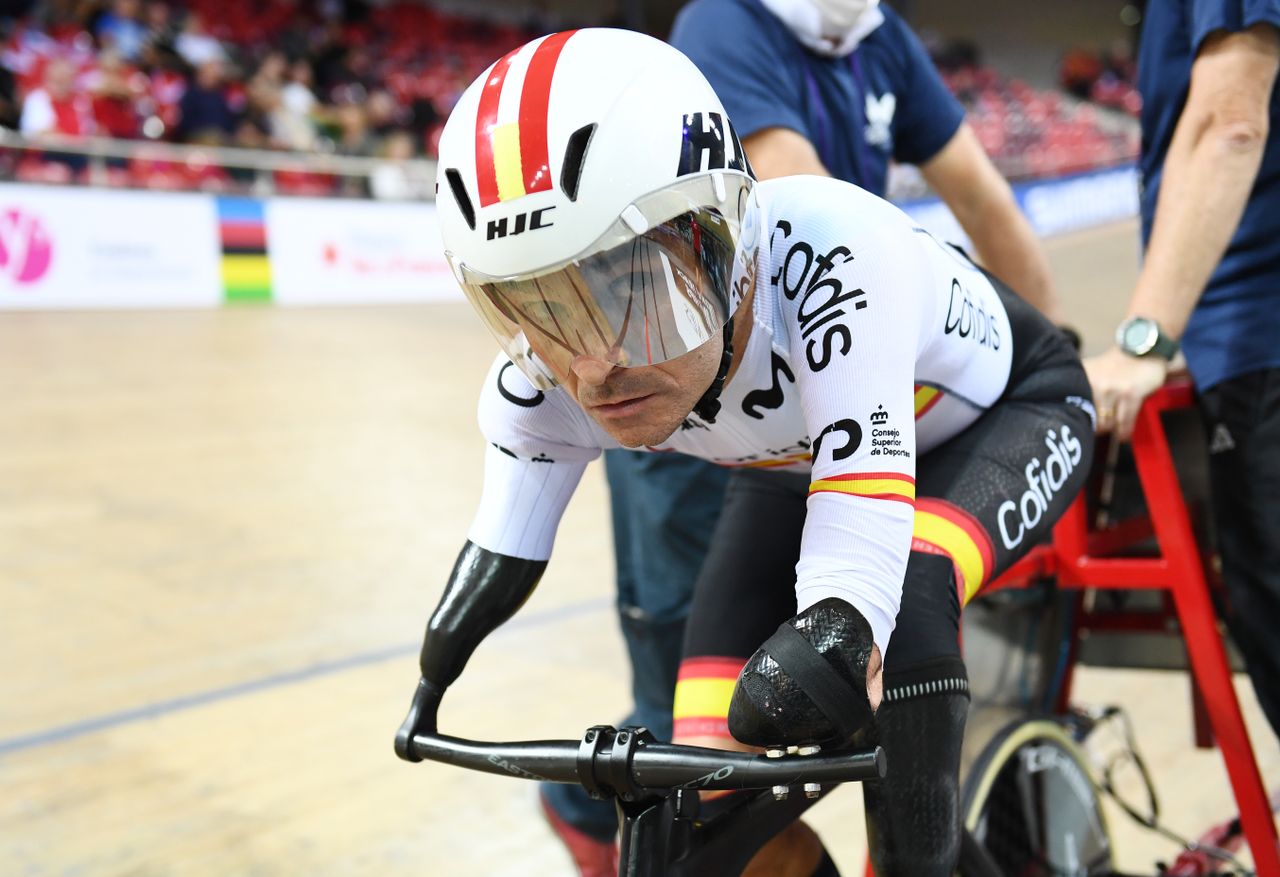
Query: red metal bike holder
1079	559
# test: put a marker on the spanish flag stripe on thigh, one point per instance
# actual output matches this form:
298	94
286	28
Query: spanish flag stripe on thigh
704	688
943	528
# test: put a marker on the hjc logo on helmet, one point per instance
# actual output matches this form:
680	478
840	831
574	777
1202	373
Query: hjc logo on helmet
704	138
533	220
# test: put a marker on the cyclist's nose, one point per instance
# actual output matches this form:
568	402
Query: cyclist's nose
591	369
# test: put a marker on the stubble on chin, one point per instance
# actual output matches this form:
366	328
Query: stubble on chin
654	431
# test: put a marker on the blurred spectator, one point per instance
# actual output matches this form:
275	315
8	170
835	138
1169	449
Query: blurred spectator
166	85
195	45
329	59
113	96
297	95
161	33
8	99
394	180
55	108
205	113
285	129
1081	68
121	29
1106	78
383	114
272	68
1118	61
354	136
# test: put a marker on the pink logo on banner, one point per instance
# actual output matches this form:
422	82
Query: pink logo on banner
25	247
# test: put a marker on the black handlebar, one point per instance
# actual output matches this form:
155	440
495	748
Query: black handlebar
630	763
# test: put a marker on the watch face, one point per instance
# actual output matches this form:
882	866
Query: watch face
1139	336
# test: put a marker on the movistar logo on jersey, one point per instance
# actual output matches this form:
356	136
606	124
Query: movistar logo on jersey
710	144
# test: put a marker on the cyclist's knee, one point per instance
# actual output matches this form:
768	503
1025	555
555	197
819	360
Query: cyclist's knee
796	851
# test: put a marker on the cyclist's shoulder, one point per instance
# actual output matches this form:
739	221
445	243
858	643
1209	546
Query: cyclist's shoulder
819	228
821	208
535	424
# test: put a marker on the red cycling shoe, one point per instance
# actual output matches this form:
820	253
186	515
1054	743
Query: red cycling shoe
592	857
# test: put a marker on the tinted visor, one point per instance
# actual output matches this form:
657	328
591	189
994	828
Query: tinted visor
646	299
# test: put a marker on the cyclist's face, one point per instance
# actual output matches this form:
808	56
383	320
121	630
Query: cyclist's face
643	405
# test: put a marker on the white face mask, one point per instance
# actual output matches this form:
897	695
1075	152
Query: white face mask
828	27
839	17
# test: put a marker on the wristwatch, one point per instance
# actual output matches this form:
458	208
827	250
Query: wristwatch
1141	336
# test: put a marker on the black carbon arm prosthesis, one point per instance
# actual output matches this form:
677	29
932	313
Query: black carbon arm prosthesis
484	590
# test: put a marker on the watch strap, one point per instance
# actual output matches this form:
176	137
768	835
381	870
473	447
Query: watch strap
1165	346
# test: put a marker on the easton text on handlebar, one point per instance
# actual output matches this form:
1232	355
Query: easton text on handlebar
631	764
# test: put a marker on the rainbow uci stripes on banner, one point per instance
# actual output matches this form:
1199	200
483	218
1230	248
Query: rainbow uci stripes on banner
242	230
511	122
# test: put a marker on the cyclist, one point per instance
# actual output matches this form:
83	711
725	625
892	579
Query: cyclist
899	424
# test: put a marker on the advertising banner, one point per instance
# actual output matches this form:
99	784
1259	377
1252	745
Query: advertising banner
356	252
65	247
88	248
1053	207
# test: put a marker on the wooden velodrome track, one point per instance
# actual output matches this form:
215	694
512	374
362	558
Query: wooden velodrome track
220	535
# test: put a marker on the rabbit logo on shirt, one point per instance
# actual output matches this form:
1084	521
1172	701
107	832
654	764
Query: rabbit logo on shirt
880	118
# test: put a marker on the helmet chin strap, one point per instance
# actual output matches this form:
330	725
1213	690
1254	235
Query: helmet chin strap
709	405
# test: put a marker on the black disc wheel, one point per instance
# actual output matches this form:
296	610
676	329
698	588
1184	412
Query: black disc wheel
1030	804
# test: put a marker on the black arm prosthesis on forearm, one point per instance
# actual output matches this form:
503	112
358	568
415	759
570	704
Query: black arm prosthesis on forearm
808	683
484	590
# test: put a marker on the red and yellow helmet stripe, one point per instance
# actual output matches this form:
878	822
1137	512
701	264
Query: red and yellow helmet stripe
512	157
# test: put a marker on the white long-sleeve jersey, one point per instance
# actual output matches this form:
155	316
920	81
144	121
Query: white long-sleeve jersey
871	343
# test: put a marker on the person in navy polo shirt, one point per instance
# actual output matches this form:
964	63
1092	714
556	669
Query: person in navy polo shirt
831	87
1210	281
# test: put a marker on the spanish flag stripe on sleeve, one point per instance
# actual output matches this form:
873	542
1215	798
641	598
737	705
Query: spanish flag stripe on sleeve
534	101
789	460
926	398
943	528
486	118
873	485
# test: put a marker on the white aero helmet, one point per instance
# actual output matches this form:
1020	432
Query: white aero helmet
593	198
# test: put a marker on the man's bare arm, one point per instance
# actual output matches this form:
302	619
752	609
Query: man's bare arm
1209	172
1212	163
782	152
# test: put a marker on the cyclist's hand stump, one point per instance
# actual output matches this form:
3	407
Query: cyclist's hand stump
875	678
809	682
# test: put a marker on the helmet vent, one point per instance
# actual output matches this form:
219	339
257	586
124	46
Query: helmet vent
574	156
460	195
